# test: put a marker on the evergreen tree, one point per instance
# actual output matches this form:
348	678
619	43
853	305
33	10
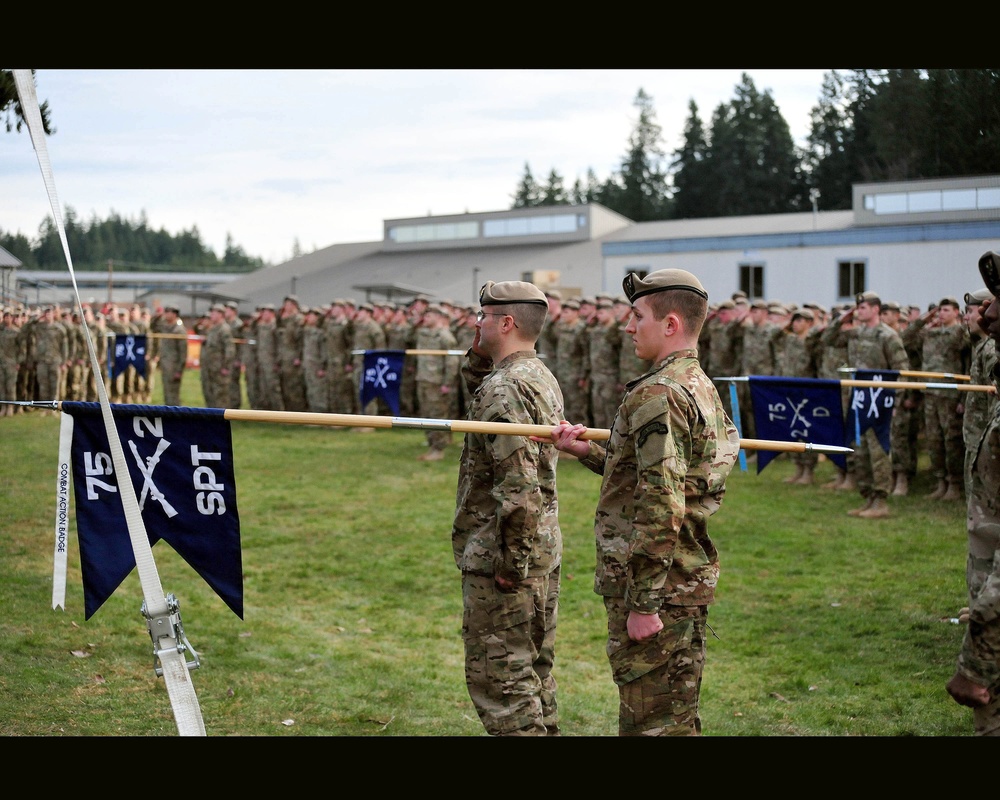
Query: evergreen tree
528	192
899	121
641	191
826	159
752	161
10	105
586	192
691	190
553	193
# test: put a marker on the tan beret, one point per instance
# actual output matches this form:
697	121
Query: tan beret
660	281
868	297
553	294
949	301
726	304
573	304
978	298
507	292
805	313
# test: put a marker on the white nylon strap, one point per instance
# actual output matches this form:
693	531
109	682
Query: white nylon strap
62	513
180	688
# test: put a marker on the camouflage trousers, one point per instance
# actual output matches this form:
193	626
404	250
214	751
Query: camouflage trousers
509	651
943	432
873	467
659	681
904	433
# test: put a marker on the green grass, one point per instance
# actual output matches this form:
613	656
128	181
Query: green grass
828	625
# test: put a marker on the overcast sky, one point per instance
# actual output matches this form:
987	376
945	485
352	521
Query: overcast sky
322	157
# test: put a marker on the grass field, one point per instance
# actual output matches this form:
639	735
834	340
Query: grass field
828	625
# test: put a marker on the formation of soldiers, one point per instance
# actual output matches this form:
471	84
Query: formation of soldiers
298	358
771	338
44	355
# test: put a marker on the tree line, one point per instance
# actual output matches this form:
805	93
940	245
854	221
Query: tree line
867	126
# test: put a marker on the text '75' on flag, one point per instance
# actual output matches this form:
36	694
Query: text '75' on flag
382	378
180	461
807	410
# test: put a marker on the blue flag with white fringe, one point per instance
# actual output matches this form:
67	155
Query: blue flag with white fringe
807	410
382	378
180	462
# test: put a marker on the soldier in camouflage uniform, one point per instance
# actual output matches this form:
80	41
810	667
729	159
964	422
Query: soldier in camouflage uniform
871	345
505	537
976	682
340	383
236	327
366	334
571	371
664	473
173	354
798	349
314	362
51	355
268	362
548	339
604	348
977	407
945	348
289	334
757	355
437	377
11	346
217	355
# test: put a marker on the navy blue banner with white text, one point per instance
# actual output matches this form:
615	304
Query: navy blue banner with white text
180	462
807	410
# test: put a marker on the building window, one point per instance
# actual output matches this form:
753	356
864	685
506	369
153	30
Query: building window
533	226
851	278
752	280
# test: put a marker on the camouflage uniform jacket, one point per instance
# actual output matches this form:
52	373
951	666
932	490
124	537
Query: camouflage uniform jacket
758	349
12	347
798	356
979	658
605	341
173	348
877	347
51	343
979	406
945	348
665	468
507	511
217	351
442	370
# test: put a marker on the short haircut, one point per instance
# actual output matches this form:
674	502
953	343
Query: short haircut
530	318
691	307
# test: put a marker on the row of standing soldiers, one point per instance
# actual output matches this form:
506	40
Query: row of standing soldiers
770	338
299	358
44	354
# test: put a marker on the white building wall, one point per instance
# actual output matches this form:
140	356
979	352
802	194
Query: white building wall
914	273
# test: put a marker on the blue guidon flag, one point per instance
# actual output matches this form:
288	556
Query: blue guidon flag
382	378
807	410
129	350
180	462
871	406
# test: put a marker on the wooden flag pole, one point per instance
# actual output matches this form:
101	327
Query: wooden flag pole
472	426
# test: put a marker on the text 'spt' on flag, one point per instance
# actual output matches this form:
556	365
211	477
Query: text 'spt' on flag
181	464
807	410
871	406
382	378
129	351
